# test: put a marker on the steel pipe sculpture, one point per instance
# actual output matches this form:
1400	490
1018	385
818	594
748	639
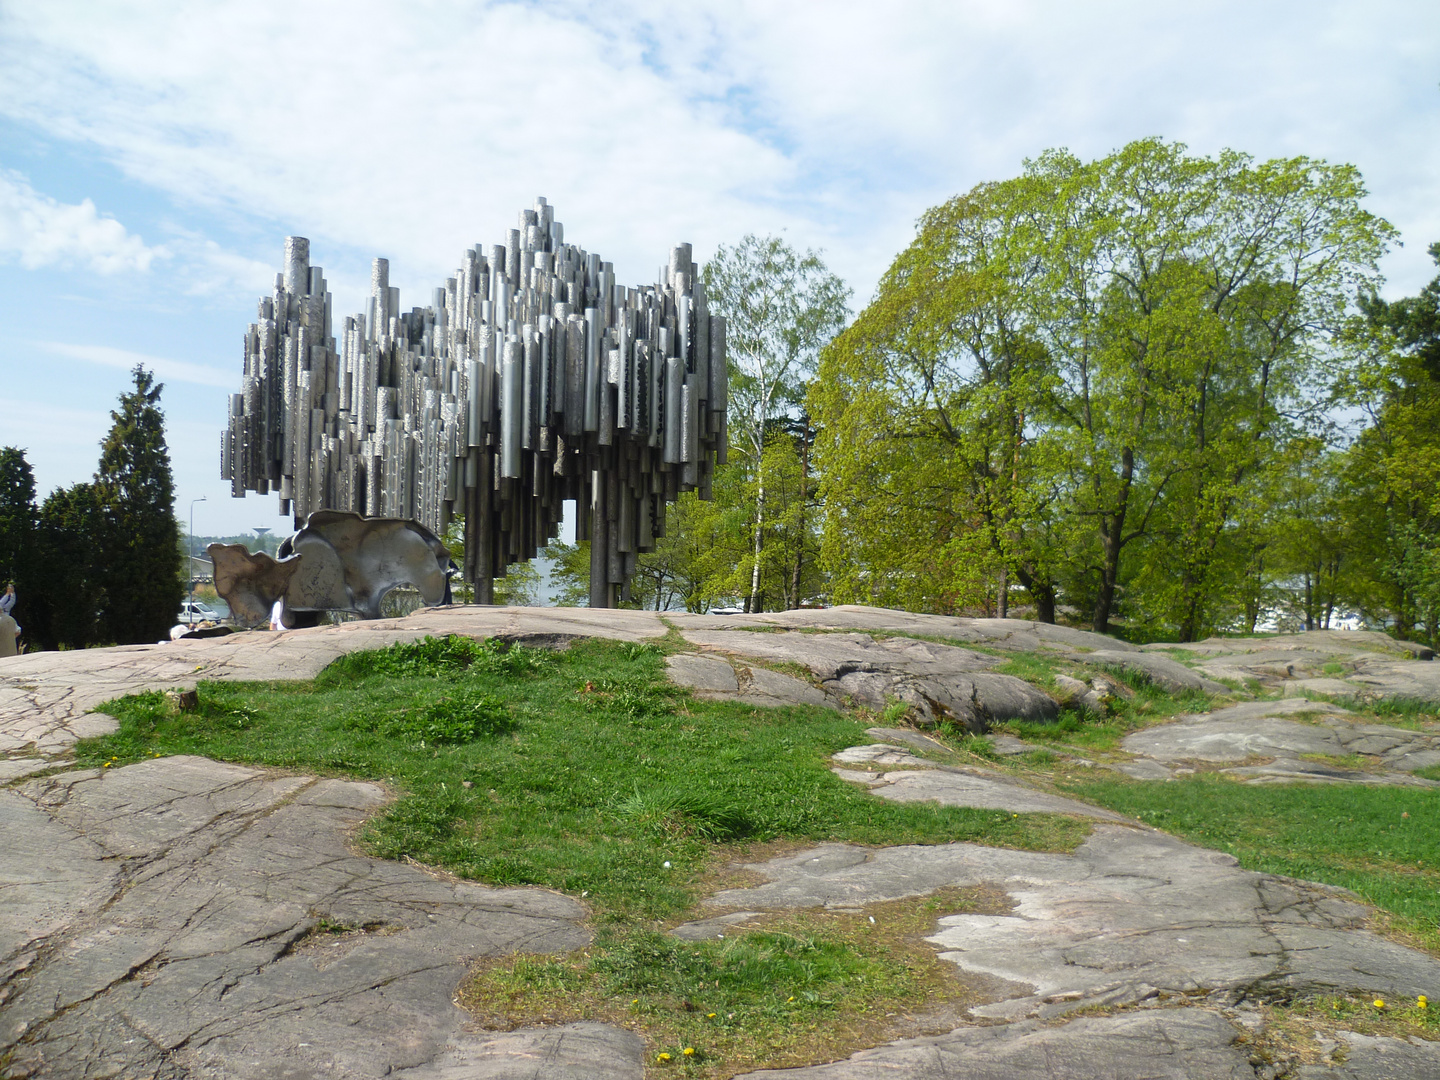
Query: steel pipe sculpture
530	379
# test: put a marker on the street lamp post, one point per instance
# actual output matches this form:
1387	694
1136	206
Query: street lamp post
190	611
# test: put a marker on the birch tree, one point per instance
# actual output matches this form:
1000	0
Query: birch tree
781	308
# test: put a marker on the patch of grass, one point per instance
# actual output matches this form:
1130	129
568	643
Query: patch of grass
784	667
896	712
1039	758
1380	842
1291	1028
1430	772
1403	712
1332	669
1413	714
446	657
980	746
1360	762
1184	655
1082	730
1074	729
1140	634
797	989
1033	668
587	772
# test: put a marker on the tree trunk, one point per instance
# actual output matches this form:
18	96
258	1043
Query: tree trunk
752	605
1109	574
1044	603
1189	621
800	529
1112	539
1042	592
1004	605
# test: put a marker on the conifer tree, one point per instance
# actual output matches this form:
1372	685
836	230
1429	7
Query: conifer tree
139	564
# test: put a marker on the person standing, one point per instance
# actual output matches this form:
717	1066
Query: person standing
7	602
9	633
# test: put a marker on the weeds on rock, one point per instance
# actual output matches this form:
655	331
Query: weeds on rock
1310	1028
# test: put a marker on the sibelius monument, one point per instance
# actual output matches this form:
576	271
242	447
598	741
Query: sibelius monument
531	378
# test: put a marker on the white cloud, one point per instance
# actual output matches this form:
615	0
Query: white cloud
44	232
204	268
415	130
175	370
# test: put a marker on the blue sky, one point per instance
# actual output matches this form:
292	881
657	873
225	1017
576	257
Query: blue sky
154	155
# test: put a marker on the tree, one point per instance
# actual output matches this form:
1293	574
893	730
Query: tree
19	525
1093	365
1395	461
935	486
698	559
569	572
64	611
520	587
140	570
781	308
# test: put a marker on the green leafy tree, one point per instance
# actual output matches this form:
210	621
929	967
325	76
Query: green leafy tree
139	562
1395	461
520	587
1093	366
936	488
569	572
781	309
698	558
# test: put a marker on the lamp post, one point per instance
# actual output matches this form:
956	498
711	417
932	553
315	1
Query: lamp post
190	611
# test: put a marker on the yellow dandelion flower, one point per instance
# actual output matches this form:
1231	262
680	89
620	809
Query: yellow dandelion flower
1378	1003
662	1057
689	1051
711	1016
1422	1002
792	999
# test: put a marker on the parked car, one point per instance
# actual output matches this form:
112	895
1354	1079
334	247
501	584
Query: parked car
727	611
193	611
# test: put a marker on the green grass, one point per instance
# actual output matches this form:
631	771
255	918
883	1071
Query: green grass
723	999
582	771
587	772
1082	730
1381	842
1414	714
1033	668
807	986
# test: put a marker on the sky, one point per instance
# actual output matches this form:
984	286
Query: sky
154	155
